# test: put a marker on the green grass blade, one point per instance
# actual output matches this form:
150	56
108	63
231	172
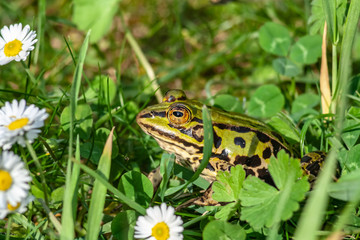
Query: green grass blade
68	208
70	197
208	143
145	63
99	192
137	207
314	211
40	29
350	28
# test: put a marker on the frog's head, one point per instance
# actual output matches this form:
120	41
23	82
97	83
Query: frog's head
175	123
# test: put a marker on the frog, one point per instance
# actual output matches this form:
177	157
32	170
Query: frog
177	125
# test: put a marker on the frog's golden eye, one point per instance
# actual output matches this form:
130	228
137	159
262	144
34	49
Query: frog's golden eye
178	114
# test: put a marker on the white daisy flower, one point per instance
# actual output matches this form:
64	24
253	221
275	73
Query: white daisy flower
160	223
19	122
14	179
16	43
20	207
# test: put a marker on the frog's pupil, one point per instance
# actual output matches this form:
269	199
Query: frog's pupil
178	114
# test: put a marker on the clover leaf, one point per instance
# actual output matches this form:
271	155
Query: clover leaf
228	185
262	204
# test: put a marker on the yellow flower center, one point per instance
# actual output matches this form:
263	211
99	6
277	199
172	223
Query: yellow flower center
13	208
160	231
5	180
13	48
18	123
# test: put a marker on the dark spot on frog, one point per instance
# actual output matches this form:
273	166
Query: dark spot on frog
276	147
217	139
249	172
267	153
240	142
265	175
240	160
262	137
305	159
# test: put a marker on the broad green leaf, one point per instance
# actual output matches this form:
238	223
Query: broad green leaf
228	103
303	105
93	150
122	226
285	127
274	38
221	230
351	132
228	184
99	192
266	101
262	204
307	50
286	67
102	88
57	194
95	15
227	211
347	187
83	120
351	162
137	187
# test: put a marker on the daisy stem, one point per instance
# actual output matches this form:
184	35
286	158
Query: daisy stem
39	168
7	237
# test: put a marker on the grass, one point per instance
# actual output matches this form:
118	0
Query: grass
92	81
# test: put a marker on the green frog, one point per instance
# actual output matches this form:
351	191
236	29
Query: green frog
177	125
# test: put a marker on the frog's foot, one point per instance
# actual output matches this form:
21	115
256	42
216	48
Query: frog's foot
155	177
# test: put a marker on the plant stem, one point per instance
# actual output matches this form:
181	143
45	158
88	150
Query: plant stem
39	168
8	228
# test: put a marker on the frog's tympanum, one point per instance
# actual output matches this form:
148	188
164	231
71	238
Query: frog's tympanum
177	126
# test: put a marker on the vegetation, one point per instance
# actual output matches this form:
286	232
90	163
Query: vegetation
98	63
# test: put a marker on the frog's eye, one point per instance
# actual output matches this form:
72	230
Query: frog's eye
178	114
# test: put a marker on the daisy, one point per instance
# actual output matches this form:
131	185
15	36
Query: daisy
14	179
16	43
19	122
20	207
160	223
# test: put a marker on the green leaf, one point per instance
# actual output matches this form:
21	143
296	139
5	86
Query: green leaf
262	204
57	194
83	120
307	50
221	230
347	187
351	162
93	150
228	184
122	226
228	103
95	15
283	125
99	192
286	67
266	101
102	88
137	187
274	38
351	132
303	105
227	211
